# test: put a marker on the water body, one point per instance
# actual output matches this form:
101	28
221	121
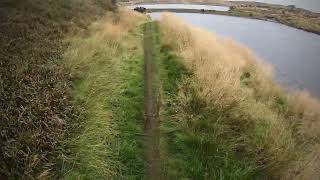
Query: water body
181	6
312	5
294	54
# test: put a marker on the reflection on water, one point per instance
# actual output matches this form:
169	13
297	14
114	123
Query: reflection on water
181	6
294	54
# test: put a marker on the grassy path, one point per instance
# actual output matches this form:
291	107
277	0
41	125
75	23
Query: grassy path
108	65
145	114
151	126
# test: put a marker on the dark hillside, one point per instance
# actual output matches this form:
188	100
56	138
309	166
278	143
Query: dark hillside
36	110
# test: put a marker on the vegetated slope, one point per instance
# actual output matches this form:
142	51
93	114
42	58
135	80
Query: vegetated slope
197	141
36	109
107	64
228	119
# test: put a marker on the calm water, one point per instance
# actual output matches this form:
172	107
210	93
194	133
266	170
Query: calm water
294	54
312	5
180	6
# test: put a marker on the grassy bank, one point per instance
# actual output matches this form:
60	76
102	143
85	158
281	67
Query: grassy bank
228	119
107	62
197	141
36	107
72	98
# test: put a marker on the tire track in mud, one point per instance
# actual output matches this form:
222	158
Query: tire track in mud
151	108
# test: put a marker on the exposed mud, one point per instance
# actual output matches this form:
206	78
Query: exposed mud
151	127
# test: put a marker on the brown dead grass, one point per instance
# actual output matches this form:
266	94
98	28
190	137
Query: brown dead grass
36	107
304	110
105	33
232	80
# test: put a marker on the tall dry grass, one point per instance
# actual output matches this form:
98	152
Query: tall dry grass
104	35
234	81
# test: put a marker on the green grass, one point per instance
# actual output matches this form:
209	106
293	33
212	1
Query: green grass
110	89
197	141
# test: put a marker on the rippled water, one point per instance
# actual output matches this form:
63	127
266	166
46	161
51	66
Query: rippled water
294	54
181	6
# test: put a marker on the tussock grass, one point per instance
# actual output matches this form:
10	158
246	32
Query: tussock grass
195	144
36	108
107	63
273	127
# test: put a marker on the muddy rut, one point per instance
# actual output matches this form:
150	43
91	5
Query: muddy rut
151	108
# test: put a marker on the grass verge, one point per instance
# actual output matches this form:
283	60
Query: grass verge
197	142
108	65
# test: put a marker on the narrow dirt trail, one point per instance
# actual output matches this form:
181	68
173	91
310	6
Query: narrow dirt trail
151	112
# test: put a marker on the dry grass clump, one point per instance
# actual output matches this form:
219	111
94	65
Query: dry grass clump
233	81
106	33
304	111
36	108
306	167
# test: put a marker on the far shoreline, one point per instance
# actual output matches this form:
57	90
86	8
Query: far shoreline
287	15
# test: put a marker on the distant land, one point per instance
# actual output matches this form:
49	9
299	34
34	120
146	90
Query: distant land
288	15
312	5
